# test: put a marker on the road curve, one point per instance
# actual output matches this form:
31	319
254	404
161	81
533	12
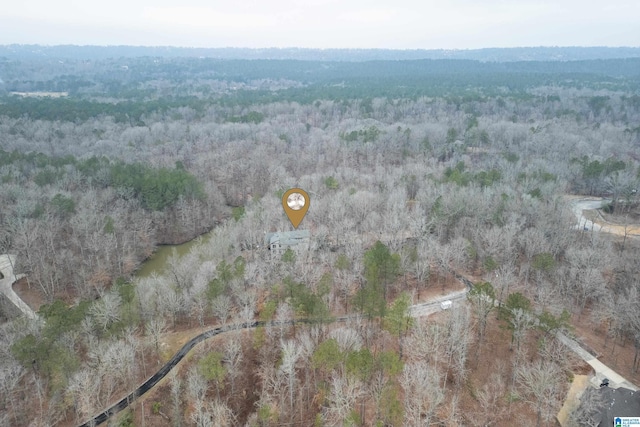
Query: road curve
418	310
422	309
162	372
579	205
148	384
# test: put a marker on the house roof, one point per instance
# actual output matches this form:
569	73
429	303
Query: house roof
287	238
620	402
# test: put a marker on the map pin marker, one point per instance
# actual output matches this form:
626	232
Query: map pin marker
296	204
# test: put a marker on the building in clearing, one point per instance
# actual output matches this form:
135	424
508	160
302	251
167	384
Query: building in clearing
279	242
620	402
599	407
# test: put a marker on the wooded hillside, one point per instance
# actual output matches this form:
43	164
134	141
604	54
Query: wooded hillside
418	172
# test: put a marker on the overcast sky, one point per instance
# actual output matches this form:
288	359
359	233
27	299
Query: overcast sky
399	24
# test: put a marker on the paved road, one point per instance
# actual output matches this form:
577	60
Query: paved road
148	384
433	306
602	370
594	203
417	310
6	285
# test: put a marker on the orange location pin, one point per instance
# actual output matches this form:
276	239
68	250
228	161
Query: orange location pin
296	204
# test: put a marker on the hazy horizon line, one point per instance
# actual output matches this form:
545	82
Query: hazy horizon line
325	48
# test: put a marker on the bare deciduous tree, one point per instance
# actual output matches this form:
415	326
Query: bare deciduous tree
196	385
107	310
156	327
490	399
221	307
588	413
233	360
424	393
345	391
540	383
290	354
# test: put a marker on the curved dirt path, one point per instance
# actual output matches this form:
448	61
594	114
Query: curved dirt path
581	204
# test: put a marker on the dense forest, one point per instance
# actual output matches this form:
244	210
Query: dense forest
421	172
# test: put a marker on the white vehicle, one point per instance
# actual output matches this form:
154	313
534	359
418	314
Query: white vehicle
446	305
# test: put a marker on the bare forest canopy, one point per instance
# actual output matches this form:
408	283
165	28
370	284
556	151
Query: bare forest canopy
418	170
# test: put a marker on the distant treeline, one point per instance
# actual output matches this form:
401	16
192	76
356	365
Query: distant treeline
568	53
176	70
126	95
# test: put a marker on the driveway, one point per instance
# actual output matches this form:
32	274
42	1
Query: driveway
579	205
6	285
602	371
